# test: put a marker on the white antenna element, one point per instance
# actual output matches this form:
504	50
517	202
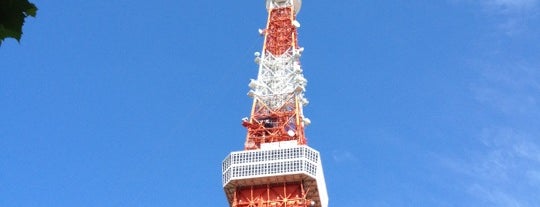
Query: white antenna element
278	77
261	32
296	24
272	4
307	122
290	133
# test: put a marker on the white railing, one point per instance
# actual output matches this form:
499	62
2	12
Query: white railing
270	162
278	162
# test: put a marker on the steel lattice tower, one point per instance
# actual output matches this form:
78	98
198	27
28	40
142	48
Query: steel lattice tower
276	168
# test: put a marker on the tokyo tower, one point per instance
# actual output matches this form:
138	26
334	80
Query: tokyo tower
276	167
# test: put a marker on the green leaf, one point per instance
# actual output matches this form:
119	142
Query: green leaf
32	11
12	15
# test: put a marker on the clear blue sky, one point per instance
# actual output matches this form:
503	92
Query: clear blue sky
136	103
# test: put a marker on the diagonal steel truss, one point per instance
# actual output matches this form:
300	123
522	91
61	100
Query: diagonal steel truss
278	91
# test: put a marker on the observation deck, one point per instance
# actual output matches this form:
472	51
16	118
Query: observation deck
275	163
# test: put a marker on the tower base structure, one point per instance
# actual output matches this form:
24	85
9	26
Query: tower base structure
280	174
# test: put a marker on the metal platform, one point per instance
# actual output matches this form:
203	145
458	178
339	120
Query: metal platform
276	163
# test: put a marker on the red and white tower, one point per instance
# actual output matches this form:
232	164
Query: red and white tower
276	168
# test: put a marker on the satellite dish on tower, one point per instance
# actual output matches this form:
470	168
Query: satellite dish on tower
297	6
291	133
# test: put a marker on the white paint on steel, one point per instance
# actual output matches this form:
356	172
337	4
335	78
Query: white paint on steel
272	4
278	78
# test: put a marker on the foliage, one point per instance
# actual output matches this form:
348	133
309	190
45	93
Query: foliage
12	15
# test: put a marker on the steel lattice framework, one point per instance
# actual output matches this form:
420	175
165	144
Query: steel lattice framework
277	168
278	92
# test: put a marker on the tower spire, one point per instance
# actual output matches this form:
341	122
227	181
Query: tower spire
276	168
